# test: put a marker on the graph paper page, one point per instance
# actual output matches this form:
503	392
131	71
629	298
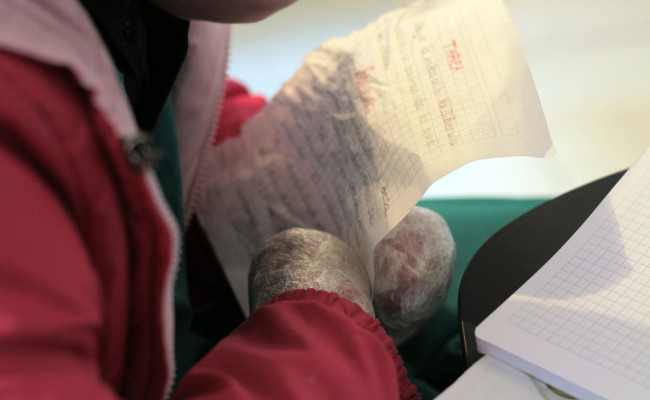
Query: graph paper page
582	322
368	122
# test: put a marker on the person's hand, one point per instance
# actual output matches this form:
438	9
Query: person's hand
303	258
414	265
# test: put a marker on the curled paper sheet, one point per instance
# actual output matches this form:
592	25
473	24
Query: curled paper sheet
368	122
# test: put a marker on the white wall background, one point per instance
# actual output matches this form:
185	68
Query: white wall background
590	60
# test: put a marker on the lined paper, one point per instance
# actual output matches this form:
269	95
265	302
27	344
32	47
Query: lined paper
368	123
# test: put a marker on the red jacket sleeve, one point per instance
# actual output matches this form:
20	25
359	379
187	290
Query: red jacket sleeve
303	344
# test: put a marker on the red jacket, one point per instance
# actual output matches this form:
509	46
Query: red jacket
88	248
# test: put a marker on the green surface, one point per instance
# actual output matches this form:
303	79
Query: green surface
433	357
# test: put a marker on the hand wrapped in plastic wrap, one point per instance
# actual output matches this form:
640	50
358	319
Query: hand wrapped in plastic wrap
305	258
414	265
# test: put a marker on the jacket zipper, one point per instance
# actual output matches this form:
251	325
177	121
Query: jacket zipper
195	195
204	162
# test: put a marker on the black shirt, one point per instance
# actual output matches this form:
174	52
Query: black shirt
148	46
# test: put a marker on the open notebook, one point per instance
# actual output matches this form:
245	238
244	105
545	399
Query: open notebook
582	322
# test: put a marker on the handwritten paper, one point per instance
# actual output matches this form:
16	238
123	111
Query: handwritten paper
368	123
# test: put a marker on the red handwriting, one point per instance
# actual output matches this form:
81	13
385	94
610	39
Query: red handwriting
453	56
363	87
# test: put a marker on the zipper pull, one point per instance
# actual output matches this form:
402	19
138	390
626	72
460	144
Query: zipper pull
141	151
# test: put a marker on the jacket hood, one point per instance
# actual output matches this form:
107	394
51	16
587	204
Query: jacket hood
61	34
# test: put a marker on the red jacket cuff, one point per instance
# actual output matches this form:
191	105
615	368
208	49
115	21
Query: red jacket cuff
361	318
